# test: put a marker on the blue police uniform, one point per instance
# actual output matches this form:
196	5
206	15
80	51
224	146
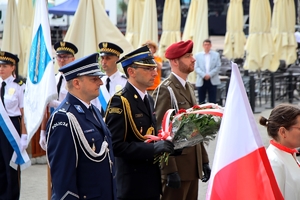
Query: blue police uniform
79	147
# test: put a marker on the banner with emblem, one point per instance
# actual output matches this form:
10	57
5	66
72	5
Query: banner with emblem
19	157
40	85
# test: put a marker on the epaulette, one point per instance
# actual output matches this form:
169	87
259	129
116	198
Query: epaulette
64	107
119	93
123	76
19	81
166	82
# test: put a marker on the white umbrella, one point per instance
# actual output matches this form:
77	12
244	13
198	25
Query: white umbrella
90	26
25	14
135	12
170	26
283	29
196	28
11	41
235	38
149	23
259	47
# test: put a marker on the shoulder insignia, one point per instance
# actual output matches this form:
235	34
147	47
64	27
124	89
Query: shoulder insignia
65	107
79	109
19	81
123	76
166	82
119	93
115	110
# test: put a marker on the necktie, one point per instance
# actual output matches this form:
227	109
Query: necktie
107	84
92	111
146	101
59	84
3	92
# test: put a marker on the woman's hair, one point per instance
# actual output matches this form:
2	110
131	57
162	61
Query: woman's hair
283	115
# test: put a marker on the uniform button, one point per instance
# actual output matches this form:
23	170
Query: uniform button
147	160
67	102
84	197
134	170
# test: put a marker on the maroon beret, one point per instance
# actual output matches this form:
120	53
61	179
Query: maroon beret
178	49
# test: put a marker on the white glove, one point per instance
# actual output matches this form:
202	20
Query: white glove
42	141
23	142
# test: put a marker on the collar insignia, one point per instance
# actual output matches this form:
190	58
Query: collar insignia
78	108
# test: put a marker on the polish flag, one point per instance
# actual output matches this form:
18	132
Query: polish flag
241	169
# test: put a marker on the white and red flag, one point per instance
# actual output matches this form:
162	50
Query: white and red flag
241	169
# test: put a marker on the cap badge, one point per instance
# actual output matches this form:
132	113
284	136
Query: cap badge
104	44
62	44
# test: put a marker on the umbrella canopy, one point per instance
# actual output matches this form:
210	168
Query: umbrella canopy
25	14
149	23
68	7
11	40
198	14
259	46
234	38
283	29
135	12
170	26
90	26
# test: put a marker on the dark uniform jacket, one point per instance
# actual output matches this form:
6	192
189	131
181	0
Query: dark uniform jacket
189	163
76	172
137	176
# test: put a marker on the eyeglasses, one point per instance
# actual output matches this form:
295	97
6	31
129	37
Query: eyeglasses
150	69
58	57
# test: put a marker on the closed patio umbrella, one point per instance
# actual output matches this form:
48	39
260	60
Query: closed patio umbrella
170	26
259	46
234	38
196	28
25	16
90	26
149	27
135	12
11	41
283	29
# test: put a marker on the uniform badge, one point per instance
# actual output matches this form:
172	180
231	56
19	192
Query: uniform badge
135	96
79	109
11	91
138	115
115	110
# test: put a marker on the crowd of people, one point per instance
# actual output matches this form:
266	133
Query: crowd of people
95	133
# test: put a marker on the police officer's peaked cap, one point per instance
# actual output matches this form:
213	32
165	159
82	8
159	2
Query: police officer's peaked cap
140	56
63	47
107	48
86	66
8	58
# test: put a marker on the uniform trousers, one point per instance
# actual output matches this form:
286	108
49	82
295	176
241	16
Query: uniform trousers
9	177
187	191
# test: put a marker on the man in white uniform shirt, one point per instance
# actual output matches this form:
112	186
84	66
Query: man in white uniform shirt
65	53
114	79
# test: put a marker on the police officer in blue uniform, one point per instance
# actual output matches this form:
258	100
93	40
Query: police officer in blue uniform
79	148
12	96
130	116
